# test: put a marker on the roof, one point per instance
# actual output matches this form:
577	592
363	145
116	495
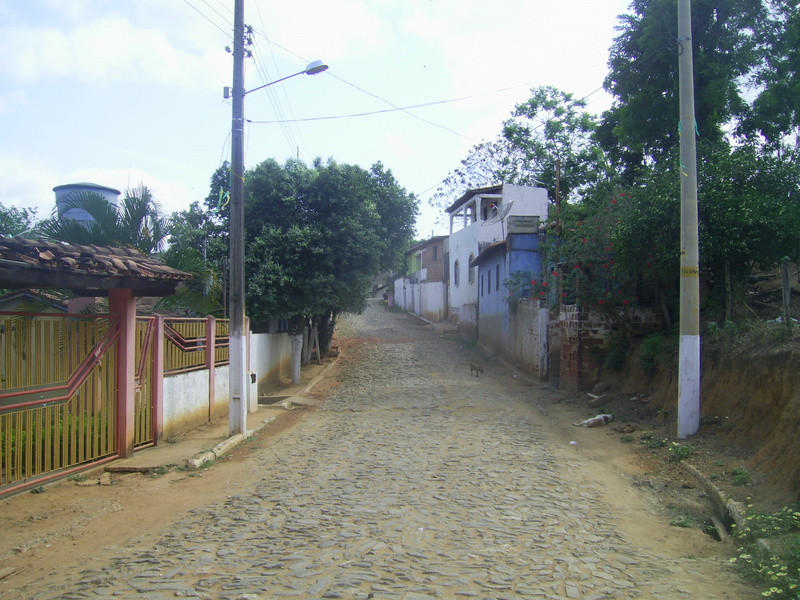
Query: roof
84	186
487	253
492	189
87	270
426	243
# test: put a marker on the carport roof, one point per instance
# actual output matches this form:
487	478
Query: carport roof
86	270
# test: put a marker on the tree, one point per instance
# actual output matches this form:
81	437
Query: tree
14	221
776	114
547	142
203	232
317	236
137	222
642	125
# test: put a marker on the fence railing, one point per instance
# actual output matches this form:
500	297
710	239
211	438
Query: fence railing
58	392
187	342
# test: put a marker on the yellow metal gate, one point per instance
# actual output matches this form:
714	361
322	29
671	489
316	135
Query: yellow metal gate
58	394
143	418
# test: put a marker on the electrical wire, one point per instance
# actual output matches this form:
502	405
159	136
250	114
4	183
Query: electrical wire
227	33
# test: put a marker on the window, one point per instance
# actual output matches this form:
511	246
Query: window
456	278
481	285
471	272
435	253
489	282
497	277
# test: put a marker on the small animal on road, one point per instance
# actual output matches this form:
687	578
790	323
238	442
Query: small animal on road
477	369
597	421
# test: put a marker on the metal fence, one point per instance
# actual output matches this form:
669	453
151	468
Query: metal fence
58	393
187	343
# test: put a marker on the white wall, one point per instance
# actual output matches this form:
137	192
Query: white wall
424	299
185	402
270	358
186	395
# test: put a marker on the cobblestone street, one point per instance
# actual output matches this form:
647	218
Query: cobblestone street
413	480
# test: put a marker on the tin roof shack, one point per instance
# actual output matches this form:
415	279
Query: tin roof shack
479	219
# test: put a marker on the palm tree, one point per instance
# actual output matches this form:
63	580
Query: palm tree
137	222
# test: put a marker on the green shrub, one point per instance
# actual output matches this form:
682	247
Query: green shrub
679	452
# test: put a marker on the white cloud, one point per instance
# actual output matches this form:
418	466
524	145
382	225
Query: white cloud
106	50
323	30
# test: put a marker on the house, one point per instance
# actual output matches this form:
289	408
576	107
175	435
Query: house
517	257
37	300
423	291
479	219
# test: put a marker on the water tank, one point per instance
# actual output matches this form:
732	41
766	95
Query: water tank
66	191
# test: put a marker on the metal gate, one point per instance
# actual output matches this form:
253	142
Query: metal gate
143	422
58	394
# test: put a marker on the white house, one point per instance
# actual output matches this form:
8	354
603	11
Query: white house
477	219
423	290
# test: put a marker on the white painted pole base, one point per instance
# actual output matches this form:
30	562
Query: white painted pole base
689	386
237	410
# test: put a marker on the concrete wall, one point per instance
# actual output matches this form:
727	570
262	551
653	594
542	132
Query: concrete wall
424	299
270	359
185	402
186	395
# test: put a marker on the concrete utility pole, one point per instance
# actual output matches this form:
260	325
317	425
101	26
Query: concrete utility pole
689	353
237	411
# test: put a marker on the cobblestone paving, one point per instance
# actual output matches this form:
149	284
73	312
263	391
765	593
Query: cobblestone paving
408	483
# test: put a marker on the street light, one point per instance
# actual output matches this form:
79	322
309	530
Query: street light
237	411
312	69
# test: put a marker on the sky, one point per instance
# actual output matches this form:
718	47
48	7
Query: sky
120	93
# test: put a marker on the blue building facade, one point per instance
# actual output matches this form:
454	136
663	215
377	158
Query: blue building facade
518	255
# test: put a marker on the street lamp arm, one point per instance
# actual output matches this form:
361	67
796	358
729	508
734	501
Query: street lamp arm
312	69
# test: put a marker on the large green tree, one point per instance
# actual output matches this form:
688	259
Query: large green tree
642	125
315	236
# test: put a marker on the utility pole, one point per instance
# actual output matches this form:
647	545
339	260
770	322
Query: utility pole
237	411
689	352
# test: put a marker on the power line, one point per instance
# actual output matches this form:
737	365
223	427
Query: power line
227	33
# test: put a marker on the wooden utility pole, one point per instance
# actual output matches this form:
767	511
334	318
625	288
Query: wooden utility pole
689	352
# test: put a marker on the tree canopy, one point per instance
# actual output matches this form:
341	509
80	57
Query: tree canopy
316	236
14	221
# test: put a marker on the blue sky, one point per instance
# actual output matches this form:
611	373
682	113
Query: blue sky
122	92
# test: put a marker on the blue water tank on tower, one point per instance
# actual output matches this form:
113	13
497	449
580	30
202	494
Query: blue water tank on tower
67	191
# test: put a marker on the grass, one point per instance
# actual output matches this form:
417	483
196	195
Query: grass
682	522
776	564
741	476
679	452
